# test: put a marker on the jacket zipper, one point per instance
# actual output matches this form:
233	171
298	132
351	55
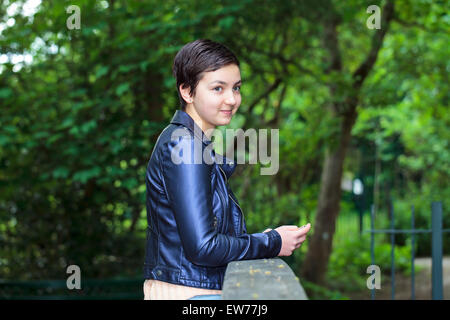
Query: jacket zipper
242	213
224	226
226	179
224	212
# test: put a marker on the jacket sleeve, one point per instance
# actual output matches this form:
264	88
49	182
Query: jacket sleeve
188	187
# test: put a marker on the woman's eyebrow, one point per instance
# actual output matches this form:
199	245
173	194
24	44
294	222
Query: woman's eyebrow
223	82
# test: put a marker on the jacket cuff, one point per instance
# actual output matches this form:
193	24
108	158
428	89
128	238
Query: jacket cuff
275	242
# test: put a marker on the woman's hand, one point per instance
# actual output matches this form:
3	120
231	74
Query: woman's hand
292	238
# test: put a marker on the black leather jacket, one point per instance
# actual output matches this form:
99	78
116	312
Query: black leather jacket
195	224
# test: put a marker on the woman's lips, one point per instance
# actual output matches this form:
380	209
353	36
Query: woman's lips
227	112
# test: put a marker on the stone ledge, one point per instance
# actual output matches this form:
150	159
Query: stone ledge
262	279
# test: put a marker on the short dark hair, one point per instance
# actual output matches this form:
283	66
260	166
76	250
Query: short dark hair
196	57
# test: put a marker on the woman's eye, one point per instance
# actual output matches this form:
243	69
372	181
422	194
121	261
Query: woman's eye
219	89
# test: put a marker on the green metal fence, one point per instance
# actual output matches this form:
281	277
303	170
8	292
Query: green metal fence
436	248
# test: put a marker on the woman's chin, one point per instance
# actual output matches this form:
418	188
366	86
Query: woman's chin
227	122
224	122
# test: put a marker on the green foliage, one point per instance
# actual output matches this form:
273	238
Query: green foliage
77	126
349	261
317	292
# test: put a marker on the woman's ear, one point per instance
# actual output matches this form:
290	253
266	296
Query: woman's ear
185	94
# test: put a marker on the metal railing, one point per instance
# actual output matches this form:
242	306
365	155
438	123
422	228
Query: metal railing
436	248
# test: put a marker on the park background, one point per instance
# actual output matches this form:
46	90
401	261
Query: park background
80	111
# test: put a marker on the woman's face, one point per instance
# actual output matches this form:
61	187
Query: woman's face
216	99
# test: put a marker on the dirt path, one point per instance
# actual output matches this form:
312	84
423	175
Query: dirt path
403	284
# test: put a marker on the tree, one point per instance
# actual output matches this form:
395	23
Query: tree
344	109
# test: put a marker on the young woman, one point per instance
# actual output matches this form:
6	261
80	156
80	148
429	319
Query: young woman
195	224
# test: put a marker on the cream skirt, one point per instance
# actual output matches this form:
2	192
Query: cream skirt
160	290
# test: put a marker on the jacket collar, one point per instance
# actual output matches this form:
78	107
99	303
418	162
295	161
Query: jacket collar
183	118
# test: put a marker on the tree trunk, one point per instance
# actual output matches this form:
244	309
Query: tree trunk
320	244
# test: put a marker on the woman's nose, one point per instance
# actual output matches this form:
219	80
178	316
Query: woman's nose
231	98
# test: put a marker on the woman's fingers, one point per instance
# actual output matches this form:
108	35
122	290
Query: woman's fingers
305	229
292	237
300	241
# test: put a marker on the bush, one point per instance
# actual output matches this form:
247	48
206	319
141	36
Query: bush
347	268
316	292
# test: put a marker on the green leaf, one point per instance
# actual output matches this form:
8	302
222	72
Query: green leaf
88	126
130	183
4	140
101	71
85	175
226	22
126	68
5	93
60	172
122	88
